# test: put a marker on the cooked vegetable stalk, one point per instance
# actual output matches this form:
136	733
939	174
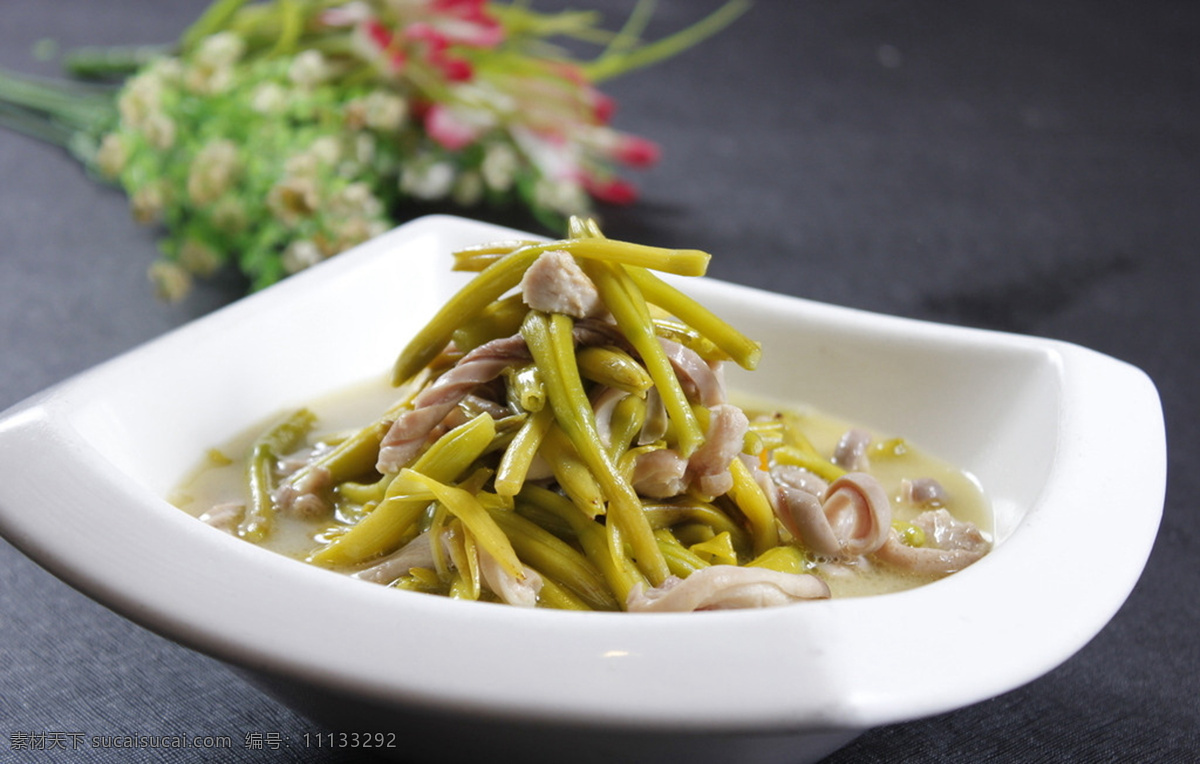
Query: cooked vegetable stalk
480	256
682	262
809	460
506	271
744	351
382	529
785	559
592	537
552	347
525	388
629	415
501	318
558	597
667	515
469	302
572	473
281	439
755	506
555	559
629	310
474	516
681	560
613	367
352	458
514	465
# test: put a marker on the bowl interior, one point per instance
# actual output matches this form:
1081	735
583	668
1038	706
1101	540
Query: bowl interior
213	379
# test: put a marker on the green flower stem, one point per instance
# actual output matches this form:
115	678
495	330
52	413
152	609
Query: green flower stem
630	33
77	106
621	61
93	63
214	19
35	125
291	17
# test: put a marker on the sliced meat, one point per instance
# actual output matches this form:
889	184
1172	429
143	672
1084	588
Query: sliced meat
411	429
726	587
522	592
708	467
602	408
950	545
800	479
225	516
923	492
853	518
851	451
417	553
556	284
306	498
660	473
700	382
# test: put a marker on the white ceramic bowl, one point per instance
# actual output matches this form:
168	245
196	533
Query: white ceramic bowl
1044	425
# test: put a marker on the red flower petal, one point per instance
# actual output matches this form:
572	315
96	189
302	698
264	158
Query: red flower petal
611	190
455	69
603	107
635	151
378	33
447	129
428	34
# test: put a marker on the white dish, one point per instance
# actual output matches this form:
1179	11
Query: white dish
1044	425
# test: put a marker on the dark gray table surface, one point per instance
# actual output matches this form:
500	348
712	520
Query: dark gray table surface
1025	166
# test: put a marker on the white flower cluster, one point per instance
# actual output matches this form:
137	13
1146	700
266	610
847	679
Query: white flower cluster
281	172
285	131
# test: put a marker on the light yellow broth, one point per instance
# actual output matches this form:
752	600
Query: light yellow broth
214	482
965	498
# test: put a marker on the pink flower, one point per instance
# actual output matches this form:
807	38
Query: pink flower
425	32
466	22
603	106
612	190
552	155
551	109
379	44
628	149
436	45
635	151
449	128
599	106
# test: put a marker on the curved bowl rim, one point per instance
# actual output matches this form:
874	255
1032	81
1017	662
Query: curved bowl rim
794	668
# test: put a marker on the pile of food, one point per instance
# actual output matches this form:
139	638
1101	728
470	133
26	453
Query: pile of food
560	435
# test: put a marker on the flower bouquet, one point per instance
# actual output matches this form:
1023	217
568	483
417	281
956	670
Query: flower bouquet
275	134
